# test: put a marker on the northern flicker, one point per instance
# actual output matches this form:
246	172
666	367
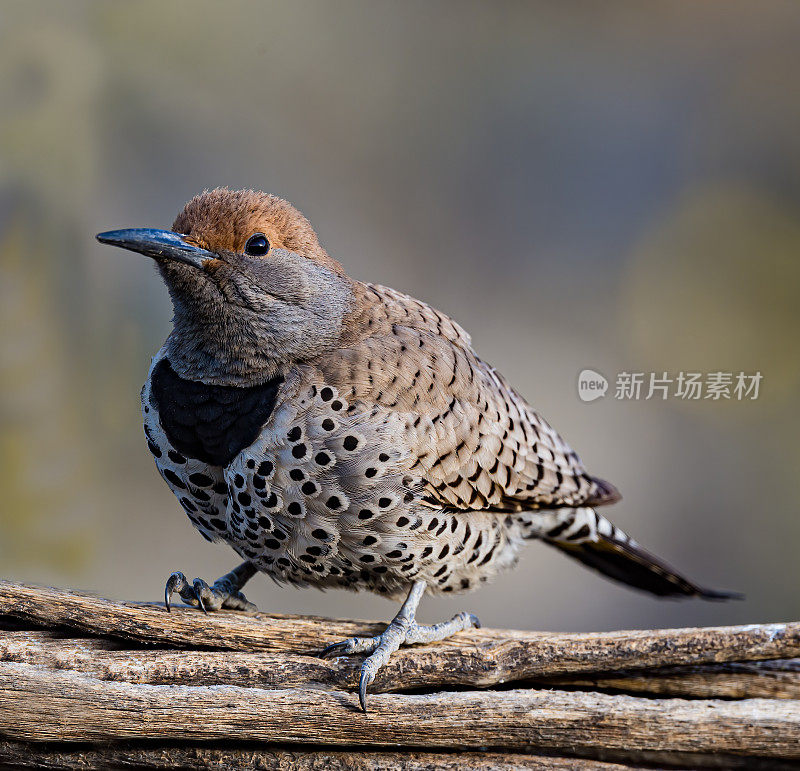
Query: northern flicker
345	435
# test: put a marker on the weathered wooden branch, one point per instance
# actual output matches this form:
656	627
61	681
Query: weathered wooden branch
24	755
77	668
478	658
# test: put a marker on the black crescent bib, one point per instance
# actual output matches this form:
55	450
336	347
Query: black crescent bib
209	422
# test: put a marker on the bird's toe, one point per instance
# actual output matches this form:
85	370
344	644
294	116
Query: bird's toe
175	583
350	646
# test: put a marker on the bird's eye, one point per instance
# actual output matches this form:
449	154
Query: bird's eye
257	245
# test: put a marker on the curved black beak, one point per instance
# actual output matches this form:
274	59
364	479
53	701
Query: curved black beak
158	244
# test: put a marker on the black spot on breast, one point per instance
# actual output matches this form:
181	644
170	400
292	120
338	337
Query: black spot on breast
201	480
174	478
350	443
328	424
208	422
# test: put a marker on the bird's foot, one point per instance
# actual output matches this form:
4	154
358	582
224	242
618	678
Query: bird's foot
402	630
223	594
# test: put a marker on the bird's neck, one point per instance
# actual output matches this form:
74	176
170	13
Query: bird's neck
223	360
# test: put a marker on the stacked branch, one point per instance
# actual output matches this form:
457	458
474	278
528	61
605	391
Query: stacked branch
139	685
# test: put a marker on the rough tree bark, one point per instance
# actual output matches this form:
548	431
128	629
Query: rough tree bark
87	682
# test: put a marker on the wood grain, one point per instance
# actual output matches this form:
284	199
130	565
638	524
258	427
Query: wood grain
92	683
26	755
82	708
478	658
736	680
104	659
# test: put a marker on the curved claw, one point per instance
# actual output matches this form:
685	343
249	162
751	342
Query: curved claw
198	585
363	682
476	622
175	580
334	650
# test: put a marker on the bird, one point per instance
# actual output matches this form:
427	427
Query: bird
342	434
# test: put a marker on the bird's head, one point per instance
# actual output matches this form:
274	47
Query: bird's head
251	287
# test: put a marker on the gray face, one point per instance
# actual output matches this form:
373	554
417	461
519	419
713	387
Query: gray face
241	320
245	318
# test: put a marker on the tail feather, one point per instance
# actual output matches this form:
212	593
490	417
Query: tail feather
591	539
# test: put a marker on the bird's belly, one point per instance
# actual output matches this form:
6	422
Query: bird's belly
300	503
383	553
451	552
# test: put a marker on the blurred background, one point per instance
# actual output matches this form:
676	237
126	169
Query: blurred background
613	186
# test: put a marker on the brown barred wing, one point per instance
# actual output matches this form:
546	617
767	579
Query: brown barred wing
474	443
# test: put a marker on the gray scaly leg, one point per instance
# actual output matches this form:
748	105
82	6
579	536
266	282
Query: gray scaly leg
225	593
402	630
